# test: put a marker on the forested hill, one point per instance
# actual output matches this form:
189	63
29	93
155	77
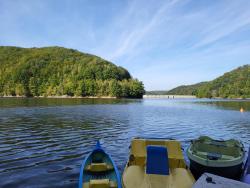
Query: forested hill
186	89
234	84
156	92
57	71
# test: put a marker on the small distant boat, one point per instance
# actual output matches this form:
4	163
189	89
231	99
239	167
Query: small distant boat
99	171
246	173
156	163
223	158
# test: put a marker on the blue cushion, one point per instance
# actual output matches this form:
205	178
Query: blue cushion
157	160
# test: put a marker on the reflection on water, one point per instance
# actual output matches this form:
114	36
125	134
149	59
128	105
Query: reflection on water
43	141
32	102
228	104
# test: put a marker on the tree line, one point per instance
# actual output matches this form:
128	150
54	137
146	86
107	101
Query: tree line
233	84
56	71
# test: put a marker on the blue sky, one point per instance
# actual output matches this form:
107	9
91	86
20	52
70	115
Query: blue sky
164	43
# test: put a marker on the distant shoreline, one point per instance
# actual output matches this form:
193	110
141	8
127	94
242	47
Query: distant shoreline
109	97
159	96
187	97
169	96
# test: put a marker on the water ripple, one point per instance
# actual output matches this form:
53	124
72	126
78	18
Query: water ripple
44	142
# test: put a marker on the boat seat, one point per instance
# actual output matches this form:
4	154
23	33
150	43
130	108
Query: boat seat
98	167
218	143
100	183
213	156
157	160
139	152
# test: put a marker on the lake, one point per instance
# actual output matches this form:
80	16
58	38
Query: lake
43	141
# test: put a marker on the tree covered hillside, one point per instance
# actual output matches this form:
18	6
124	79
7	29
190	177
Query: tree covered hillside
56	71
186	89
234	84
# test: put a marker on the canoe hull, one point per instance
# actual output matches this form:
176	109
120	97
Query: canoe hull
232	172
99	168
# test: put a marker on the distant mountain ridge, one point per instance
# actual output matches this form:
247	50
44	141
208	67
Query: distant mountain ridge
186	89
233	84
58	71
156	92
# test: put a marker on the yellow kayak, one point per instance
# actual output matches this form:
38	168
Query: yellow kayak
156	163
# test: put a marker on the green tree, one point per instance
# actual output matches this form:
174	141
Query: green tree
60	71
115	88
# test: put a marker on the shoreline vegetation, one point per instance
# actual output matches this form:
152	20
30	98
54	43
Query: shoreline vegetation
160	96
59	72
232	85
165	96
62	97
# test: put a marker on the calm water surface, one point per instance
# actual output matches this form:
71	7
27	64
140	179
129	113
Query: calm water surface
43	141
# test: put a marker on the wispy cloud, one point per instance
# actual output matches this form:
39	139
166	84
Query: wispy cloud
158	41
133	36
231	19
171	26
